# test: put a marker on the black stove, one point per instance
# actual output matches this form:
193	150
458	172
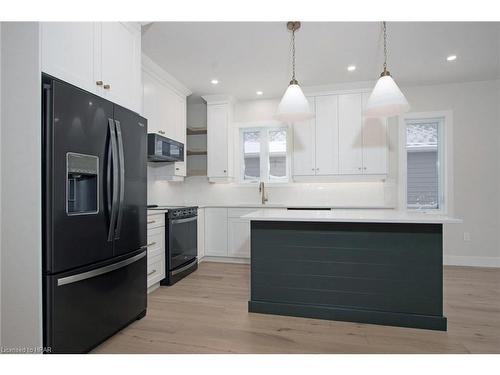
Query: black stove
181	242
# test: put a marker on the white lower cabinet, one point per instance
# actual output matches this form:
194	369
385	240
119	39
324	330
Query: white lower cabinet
239	238
227	232
155	248
216	232
156	270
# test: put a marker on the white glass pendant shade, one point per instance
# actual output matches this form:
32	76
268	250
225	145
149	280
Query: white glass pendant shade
386	99
294	106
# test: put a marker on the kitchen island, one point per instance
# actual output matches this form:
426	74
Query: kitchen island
369	266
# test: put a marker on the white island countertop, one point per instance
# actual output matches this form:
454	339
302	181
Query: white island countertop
351	215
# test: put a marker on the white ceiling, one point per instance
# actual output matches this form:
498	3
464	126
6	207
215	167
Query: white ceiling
246	57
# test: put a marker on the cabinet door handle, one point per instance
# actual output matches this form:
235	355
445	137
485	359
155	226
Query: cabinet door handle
176	169
152	222
364	168
106	87
99	83
150	273
151	244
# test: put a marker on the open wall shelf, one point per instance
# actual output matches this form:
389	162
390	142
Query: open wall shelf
196	131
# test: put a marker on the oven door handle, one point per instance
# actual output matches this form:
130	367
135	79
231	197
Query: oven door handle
180	221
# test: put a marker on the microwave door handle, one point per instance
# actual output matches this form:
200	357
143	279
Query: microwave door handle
114	158
121	159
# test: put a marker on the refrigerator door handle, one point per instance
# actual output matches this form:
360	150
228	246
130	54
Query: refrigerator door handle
114	158
122	178
99	271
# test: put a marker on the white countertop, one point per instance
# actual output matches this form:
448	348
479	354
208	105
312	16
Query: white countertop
351	215
272	205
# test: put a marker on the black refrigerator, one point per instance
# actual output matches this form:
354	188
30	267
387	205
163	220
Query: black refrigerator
94	217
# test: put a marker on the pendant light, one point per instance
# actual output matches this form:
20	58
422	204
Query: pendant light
386	99
294	106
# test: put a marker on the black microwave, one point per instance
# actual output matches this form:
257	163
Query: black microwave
164	149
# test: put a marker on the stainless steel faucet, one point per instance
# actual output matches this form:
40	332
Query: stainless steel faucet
262	191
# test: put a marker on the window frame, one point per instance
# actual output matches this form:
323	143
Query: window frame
265	127
445	160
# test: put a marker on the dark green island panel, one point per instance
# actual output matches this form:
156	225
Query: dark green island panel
379	273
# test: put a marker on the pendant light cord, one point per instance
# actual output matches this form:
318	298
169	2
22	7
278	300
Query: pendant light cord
385	45
385	72
293	56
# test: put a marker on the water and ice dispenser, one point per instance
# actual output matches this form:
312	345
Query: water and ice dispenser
82	184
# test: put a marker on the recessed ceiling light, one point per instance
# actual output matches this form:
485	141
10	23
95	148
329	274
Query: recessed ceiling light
259	93
451	58
351	68
214	81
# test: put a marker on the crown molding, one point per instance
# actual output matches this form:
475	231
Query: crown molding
153	69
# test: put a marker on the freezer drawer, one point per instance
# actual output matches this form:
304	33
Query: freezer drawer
85	308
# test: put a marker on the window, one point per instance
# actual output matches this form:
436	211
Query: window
424	167
264	154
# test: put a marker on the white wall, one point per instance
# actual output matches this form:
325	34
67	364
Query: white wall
476	143
0	185
21	284
476	162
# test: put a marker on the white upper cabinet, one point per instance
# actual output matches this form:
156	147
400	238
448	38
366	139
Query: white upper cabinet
374	144
69	52
164	103
327	135
164	108
304	154
121	63
350	134
219	135
339	141
103	58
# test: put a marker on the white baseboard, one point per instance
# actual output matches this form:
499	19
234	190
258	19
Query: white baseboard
460	260
225	260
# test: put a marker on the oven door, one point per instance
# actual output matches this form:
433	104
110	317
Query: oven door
183	243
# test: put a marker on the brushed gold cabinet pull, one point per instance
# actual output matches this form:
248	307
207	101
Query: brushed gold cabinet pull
151	244
99	83
106	87
152	222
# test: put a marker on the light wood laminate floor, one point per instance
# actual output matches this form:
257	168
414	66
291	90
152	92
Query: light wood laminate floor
207	313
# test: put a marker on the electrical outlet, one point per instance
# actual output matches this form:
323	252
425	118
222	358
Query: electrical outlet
466	236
